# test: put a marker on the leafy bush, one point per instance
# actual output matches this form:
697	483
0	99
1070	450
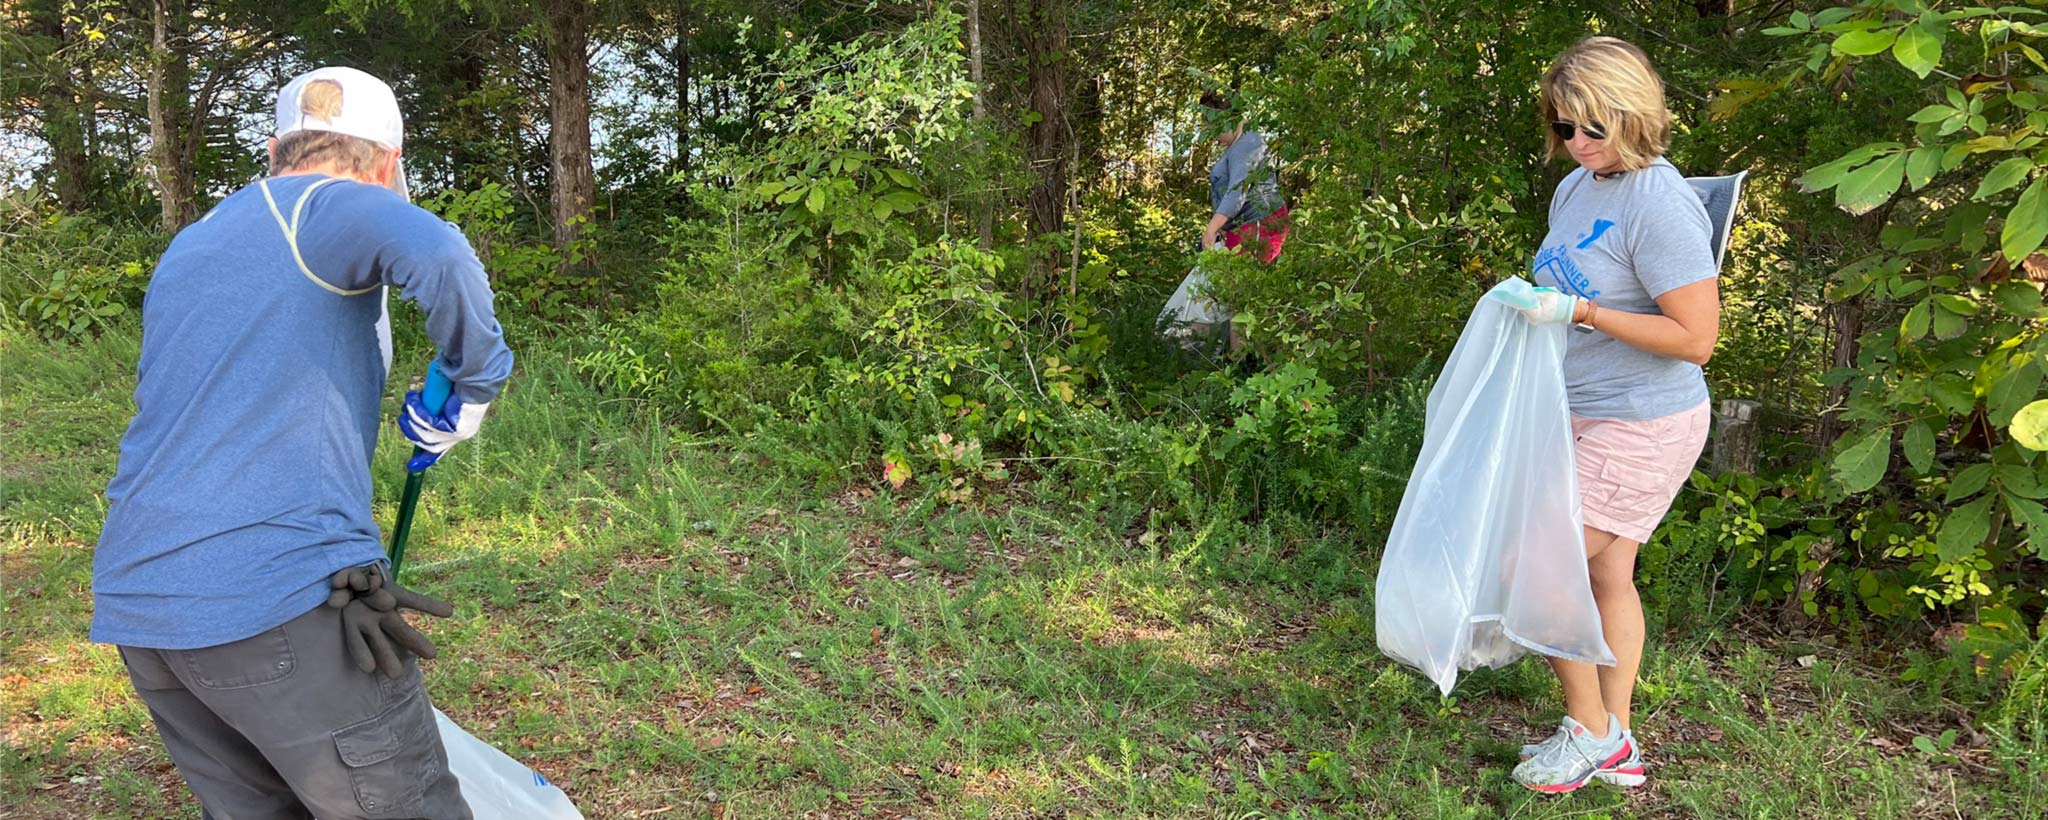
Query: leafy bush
1951	363
66	276
530	276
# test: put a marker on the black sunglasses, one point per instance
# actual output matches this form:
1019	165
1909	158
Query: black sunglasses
1565	130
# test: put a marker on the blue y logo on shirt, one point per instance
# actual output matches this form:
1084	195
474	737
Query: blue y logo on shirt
1600	226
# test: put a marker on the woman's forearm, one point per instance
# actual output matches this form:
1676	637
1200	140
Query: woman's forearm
1652	333
1215	227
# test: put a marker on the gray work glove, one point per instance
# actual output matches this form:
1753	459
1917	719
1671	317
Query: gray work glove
372	626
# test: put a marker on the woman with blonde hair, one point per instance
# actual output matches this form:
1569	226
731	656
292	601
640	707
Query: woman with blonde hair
1629	258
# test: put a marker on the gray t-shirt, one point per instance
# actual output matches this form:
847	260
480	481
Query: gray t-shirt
1623	242
1242	184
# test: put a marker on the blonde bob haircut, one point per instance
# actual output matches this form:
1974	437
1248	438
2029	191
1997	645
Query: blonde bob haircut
1607	82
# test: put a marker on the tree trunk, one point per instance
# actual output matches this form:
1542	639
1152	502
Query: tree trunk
984	212
974	57
1088	127
569	117
681	59
466	164
1847	323
170	114
65	117
1045	49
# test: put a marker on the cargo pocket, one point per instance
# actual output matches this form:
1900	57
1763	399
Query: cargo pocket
392	757
1636	489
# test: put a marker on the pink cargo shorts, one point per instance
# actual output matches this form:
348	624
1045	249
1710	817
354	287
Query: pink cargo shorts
1630	471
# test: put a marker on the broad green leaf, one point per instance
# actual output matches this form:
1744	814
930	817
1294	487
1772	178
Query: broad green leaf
1956	394
1918	48
2020	299
1948	325
1828	175
2021	480
1918	446
2027	223
1958	305
1933	113
1922	165
903	200
2012	391
1868	187
1968	481
1801	21
2030	425
816	200
1963	530
2032	514
1969	218
2003	175
1832	15
1916	322
1864	43
1862	464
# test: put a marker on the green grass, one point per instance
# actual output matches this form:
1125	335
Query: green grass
669	627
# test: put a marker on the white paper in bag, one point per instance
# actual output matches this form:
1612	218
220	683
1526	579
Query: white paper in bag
1486	561
496	786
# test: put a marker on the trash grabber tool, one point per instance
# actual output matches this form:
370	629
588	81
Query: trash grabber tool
434	395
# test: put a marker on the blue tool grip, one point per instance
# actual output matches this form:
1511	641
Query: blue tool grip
435	394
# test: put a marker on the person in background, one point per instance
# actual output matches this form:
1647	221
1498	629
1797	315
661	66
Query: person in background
1629	256
240	572
1247	213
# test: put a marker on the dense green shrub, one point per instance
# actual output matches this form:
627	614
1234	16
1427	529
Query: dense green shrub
65	276
1949	366
530	276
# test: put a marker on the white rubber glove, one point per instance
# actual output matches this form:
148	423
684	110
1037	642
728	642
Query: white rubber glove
435	434
1553	307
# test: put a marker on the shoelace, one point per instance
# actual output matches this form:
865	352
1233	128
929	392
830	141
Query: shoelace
1564	752
1559	736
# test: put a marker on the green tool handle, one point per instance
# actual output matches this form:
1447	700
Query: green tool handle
434	394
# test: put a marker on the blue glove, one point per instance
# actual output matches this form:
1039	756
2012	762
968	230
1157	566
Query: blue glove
434	433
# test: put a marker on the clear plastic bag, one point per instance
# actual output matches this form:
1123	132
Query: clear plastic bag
496	786
1486	561
1189	313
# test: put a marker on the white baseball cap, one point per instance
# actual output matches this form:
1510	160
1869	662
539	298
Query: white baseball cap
369	110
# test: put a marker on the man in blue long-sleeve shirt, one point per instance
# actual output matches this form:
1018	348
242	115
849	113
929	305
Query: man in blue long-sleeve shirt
244	481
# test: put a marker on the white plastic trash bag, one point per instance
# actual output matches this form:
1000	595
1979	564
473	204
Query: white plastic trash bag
1190	312
496	786
1486	561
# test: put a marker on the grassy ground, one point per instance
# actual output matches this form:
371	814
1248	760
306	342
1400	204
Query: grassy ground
669	627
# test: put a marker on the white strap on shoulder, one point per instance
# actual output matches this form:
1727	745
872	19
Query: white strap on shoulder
291	234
